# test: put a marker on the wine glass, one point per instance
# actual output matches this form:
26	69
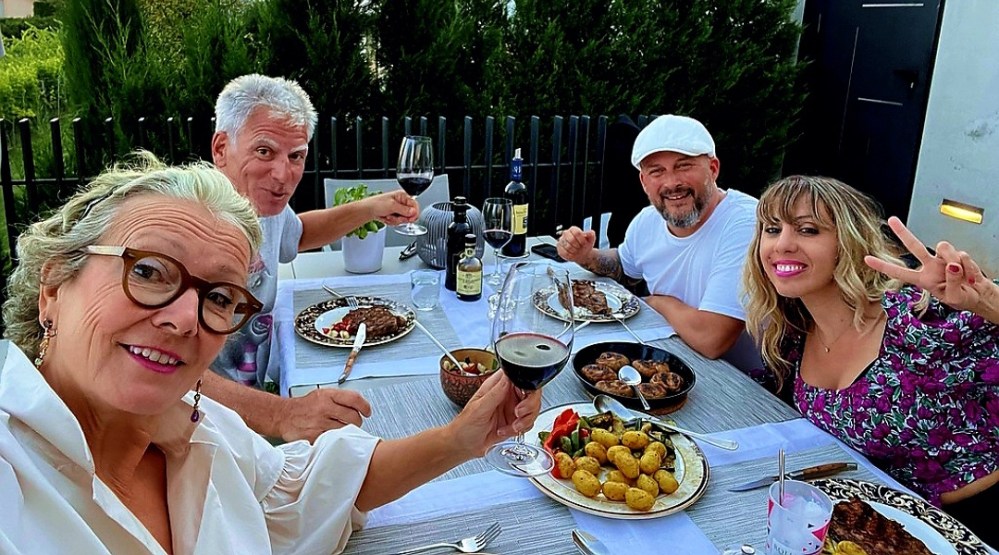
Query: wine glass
415	172
497	216
532	349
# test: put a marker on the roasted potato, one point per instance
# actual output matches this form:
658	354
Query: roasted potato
628	465
614	451
565	464
657	447
667	482
649	463
639	499
588	464
586	483
604	437
635	440
645	482
597	451
617	476
615	491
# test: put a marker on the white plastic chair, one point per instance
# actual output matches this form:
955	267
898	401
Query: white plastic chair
437	192
602	242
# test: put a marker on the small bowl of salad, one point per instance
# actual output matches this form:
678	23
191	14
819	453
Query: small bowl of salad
460	384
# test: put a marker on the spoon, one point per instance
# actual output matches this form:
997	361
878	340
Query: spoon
458	366
630	376
603	403
588	543
620	318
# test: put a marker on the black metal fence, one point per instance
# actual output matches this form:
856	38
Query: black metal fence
563	158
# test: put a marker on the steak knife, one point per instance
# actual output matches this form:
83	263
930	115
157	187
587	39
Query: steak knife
362	334
818	471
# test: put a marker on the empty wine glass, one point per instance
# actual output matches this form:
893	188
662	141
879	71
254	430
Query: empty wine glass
532	349
497	216
415	173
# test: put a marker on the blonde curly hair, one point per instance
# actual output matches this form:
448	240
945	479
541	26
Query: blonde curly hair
56	243
857	221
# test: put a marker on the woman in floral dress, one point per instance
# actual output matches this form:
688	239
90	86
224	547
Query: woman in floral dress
901	364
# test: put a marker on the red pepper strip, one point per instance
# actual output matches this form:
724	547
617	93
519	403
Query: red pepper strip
564	425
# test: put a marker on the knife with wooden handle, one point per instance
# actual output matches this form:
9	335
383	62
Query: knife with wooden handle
810	473
362	333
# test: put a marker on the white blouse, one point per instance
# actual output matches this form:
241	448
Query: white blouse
228	489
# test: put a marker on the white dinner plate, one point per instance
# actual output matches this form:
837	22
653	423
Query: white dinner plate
310	323
691	472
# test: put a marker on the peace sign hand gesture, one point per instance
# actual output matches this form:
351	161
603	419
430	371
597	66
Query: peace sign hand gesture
951	275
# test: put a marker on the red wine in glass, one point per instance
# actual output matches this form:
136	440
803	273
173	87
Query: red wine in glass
531	360
414	185
415	172
497	237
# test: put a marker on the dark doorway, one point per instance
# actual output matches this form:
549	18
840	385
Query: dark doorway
868	81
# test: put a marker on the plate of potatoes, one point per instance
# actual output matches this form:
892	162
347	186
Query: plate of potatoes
622	476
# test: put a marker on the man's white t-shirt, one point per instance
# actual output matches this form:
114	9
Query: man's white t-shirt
703	270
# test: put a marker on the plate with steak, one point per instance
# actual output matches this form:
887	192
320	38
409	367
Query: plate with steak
593	301
884	521
334	324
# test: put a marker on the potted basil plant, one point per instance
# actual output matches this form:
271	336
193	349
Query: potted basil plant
364	246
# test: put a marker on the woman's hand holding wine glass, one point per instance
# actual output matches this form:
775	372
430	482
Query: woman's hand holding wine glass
415	173
532	349
497	215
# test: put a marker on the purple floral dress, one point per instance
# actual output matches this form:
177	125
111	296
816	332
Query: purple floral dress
927	409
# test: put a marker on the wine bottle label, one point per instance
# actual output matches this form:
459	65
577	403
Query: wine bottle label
519	219
470	283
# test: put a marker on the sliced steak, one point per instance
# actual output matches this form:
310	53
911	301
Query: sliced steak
586	295
856	521
379	320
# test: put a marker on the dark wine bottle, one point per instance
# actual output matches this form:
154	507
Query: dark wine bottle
456	231
469	274
516	191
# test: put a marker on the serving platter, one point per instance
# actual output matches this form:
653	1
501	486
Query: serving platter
310	323
941	533
622	304
691	472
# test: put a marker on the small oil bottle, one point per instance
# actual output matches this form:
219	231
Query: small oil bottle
469	274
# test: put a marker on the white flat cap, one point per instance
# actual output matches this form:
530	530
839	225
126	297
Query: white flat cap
672	134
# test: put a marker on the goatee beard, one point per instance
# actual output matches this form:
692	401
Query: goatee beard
683	221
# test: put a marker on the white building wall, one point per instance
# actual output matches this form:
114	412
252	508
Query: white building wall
959	154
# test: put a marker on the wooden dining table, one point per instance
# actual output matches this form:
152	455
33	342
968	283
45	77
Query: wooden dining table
401	381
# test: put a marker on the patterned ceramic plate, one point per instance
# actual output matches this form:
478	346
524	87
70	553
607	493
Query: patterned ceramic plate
940	532
619	300
311	322
691	473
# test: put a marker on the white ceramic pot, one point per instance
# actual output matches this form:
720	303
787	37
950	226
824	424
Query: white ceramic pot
363	256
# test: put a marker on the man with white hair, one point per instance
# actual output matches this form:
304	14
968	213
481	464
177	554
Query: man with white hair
689	246
263	126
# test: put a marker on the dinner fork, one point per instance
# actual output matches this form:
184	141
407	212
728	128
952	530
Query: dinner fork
467	545
350	299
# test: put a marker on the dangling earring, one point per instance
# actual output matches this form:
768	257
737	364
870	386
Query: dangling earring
195	415
43	347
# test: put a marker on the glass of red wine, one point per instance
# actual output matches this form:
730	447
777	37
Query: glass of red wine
414	172
532	348
497	216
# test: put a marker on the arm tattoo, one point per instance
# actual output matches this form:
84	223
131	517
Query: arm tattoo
606	263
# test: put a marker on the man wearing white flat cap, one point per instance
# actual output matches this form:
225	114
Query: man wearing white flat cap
689	245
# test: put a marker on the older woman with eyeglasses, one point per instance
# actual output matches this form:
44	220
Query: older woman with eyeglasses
123	298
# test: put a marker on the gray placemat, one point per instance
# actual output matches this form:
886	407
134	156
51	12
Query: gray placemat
529	528
714	513
413	345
